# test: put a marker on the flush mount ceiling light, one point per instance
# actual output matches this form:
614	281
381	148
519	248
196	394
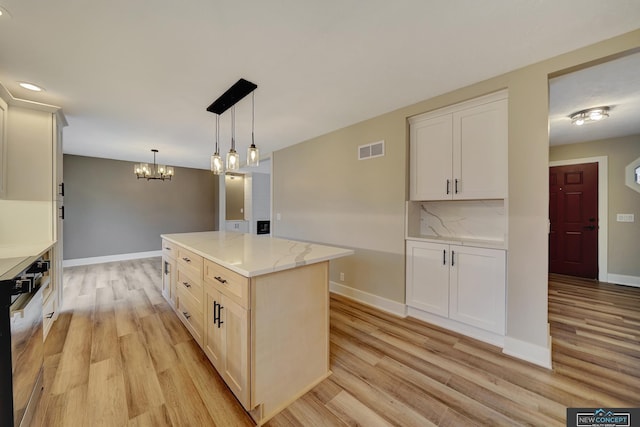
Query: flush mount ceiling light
30	86
225	101
590	115
155	171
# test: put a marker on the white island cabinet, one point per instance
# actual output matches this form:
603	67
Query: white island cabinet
259	308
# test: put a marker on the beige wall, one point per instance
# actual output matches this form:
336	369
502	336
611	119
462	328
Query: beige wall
324	194
623	237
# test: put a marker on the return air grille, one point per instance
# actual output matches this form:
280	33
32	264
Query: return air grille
369	151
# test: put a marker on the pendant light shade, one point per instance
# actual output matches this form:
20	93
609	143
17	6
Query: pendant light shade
217	166
233	159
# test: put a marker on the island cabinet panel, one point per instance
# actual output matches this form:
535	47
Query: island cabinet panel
169	274
289	336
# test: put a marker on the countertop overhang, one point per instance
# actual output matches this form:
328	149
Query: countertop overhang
254	255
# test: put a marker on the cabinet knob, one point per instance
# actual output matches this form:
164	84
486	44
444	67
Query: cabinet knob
186	284
186	314
220	279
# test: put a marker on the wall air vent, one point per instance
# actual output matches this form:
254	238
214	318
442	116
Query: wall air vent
369	151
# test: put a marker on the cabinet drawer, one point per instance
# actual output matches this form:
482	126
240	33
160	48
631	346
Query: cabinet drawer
190	262
169	249
228	282
190	313
189	285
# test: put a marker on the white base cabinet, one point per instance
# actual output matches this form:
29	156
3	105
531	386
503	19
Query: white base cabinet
460	283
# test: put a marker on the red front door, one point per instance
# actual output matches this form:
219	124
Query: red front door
573	212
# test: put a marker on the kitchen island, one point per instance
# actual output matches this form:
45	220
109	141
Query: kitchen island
259	308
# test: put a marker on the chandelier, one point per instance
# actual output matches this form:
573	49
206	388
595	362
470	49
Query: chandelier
228	100
155	171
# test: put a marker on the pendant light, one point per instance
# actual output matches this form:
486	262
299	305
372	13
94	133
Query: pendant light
217	166
233	159
253	154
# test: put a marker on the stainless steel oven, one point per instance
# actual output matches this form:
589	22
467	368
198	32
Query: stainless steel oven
21	344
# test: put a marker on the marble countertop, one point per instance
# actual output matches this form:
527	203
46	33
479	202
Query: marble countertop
15	258
253	255
478	243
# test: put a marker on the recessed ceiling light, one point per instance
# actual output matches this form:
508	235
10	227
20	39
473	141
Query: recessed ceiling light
31	86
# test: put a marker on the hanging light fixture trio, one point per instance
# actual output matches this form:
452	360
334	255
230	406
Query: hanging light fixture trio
228	100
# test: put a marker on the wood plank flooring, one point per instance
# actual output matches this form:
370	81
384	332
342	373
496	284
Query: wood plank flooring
118	356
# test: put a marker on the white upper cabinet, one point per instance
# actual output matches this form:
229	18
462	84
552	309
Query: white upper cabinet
460	152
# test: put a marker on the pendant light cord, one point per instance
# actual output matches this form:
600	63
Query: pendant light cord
233	128
253	116
217	133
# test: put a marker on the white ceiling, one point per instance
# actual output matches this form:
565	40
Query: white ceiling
615	84
136	75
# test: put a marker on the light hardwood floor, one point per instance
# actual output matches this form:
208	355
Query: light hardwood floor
118	356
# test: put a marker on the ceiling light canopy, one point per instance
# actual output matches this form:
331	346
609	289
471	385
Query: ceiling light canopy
589	115
4	13
155	171
31	86
225	101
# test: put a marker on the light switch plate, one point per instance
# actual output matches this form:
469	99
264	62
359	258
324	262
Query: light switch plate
625	218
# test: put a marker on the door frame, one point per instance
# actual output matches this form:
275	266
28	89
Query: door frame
603	208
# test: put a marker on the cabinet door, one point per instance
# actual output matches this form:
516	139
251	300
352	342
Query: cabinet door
212	331
431	158
480	136
477	287
235	337
428	277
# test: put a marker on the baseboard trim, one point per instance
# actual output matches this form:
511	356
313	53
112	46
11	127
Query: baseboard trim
455	326
109	258
524	350
622	279
375	301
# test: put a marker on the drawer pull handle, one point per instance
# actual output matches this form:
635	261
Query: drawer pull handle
49	315
167	248
186	314
186	259
448	182
186	284
220	279
453	259
456	186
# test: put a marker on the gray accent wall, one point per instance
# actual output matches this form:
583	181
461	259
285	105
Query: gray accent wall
110	212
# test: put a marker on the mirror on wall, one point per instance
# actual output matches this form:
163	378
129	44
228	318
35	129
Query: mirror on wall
234	184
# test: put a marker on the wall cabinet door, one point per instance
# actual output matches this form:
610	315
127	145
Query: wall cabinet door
480	136
460	152
477	287
226	341
431	154
428	277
